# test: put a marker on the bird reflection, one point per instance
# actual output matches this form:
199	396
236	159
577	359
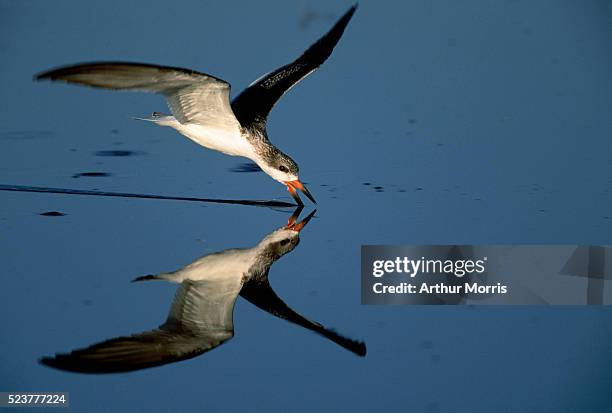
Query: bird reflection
201	315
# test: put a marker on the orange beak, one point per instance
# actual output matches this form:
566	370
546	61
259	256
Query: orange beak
297	226
292	186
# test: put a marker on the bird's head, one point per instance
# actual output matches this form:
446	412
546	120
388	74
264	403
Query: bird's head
284	170
286	238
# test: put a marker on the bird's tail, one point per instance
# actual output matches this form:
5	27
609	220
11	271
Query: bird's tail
159	118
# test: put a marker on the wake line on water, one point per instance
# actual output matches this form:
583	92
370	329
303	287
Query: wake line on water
249	202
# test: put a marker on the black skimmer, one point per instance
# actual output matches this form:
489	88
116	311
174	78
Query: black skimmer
201	315
200	103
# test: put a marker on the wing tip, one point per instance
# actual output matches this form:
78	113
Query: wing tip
66	363
349	13
56	73
46	361
55	362
357	347
145	278
63	72
361	348
46	75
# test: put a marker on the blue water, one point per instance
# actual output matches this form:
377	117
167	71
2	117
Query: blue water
432	122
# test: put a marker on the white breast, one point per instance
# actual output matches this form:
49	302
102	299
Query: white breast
228	264
229	141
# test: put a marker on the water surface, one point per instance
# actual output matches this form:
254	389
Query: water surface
439	122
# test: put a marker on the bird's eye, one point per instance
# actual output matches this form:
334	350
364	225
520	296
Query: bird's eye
284	242
283	168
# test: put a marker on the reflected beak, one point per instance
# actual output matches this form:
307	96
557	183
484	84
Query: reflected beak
293	218
300	225
292	186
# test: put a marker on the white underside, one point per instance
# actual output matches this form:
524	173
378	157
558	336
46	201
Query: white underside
223	138
224	265
233	263
227	264
228	142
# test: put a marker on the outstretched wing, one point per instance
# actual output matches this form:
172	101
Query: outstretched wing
254	104
200	319
260	293
193	97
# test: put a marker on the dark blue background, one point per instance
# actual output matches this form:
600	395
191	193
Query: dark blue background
482	122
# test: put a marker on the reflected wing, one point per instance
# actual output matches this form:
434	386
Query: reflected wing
254	104
193	97
200	319
261	294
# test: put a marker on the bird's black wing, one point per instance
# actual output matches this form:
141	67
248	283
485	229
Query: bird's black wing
260	293
254	104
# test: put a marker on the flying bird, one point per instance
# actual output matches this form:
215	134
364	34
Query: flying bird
200	103
201	315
